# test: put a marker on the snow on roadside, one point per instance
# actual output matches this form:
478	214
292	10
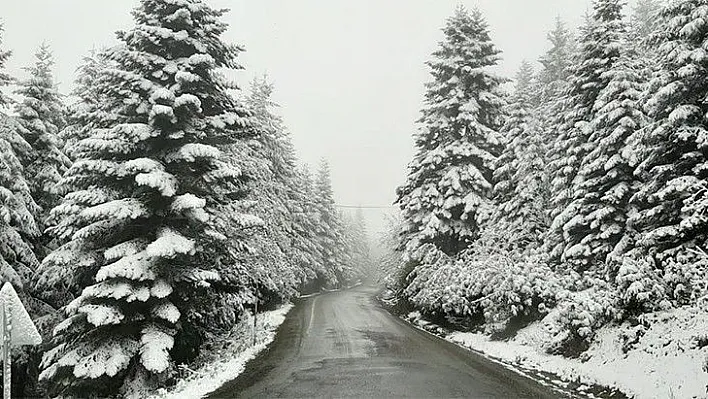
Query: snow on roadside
229	364
664	360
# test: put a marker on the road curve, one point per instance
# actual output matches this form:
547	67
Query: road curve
343	344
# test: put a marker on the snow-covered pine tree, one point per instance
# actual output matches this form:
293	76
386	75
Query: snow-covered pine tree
143	253
606	178
673	198
18	226
520	182
331	229
80	114
556	62
19	233
273	161
18	210
446	196
358	243
599	49
645	16
517	121
42	114
307	225
556	68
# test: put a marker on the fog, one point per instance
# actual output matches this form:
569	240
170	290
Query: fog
349	75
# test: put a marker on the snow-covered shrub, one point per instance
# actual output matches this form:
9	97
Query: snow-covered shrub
580	315
516	292
684	272
640	287
496	289
424	262
630	336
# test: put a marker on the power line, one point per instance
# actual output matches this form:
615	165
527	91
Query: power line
366	206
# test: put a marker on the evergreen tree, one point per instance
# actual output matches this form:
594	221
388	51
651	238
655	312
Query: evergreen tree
144	251
553	79
269	188
18	226
285	249
599	51
674	169
447	193
644	17
520	190
359	248
80	114
307	248
18	210
606	178
556	67
556	62
41	113
331	229
518	116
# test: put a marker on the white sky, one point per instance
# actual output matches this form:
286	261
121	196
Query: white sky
349	74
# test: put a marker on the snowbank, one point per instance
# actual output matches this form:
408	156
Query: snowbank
231	361
663	357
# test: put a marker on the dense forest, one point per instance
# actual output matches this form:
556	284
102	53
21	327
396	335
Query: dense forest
580	194
154	206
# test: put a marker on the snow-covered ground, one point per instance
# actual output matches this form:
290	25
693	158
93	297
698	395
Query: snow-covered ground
231	360
665	360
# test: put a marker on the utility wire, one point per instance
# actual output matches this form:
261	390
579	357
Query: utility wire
366	206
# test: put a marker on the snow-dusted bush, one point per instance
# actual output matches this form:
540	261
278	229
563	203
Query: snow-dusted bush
685	275
579	315
495	289
630	336
640	287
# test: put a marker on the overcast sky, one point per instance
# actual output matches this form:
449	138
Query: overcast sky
349	74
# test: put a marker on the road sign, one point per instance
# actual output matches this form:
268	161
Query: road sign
17	329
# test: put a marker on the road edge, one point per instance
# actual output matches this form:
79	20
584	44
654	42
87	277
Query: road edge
547	379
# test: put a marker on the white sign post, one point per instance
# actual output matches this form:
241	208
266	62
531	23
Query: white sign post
17	329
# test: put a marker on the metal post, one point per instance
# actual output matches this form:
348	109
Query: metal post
6	352
255	323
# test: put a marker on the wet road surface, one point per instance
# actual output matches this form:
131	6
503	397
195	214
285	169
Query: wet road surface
343	344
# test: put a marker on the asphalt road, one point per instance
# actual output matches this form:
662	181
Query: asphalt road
343	344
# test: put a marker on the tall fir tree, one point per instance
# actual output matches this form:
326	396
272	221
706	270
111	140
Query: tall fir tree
307	224
359	248
143	249
331	235
645	16
553	79
287	248
446	196
270	191
18	226
606	178
80	114
520	189
599	50
42	114
674	171
517	122
556	67
556	62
